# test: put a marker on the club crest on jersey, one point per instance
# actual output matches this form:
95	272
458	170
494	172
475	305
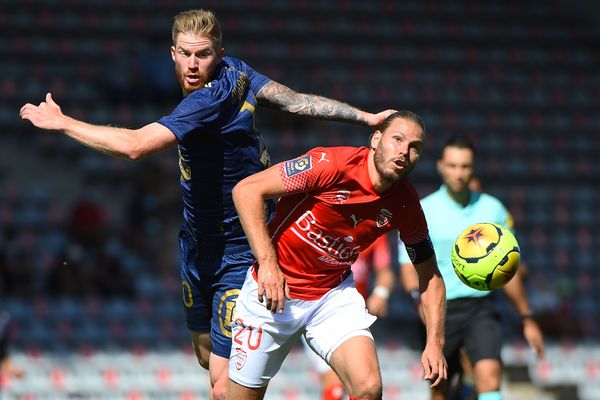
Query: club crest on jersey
297	165
240	358
384	217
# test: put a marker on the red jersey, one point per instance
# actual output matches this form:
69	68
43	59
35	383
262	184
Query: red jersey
376	257
336	213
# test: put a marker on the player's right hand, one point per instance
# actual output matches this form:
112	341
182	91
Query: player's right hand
272	288
435	368
46	115
374	120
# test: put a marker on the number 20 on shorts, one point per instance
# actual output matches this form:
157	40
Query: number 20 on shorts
252	344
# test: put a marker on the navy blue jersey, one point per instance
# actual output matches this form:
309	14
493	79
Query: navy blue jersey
218	147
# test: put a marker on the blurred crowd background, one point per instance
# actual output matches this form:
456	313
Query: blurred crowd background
88	244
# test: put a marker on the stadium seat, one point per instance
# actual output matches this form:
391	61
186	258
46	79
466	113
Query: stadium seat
520	77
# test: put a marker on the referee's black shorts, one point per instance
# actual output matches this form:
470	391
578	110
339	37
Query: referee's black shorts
472	323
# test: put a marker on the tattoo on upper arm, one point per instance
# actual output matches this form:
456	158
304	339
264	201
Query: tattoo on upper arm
283	98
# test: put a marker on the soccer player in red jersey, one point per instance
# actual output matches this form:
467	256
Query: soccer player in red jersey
334	202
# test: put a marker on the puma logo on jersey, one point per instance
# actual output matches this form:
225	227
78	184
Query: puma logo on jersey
323	155
355	219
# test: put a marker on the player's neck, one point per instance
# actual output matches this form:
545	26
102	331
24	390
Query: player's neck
461	198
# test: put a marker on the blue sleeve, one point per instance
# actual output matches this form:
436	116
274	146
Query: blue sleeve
194	112
257	80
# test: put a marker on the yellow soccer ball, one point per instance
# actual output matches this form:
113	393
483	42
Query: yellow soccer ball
485	256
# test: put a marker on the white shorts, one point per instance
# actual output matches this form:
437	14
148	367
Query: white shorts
262	340
316	362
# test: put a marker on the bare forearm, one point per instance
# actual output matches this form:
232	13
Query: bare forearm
281	97
116	142
433	302
250	208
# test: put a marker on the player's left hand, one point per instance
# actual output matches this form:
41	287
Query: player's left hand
435	368
46	115
272	288
374	120
533	335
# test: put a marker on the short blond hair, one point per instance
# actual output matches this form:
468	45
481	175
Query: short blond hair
198	22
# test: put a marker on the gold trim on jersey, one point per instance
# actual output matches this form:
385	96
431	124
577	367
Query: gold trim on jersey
226	310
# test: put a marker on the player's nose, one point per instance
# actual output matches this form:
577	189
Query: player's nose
403	149
192	62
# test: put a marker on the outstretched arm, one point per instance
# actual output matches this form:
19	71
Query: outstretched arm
281	97
117	142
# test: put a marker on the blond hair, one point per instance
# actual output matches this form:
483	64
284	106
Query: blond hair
198	22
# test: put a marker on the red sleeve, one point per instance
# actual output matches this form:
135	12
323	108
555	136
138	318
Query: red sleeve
413	228
309	172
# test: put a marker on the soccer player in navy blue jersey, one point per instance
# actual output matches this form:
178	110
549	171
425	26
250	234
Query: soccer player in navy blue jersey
213	127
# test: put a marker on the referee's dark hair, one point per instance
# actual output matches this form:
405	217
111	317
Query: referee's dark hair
458	141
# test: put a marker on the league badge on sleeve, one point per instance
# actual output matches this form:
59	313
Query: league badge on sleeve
298	165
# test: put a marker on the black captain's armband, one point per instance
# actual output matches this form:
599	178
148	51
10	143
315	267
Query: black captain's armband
420	252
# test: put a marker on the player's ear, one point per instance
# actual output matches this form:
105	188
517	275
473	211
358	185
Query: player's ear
439	166
375	138
173	53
